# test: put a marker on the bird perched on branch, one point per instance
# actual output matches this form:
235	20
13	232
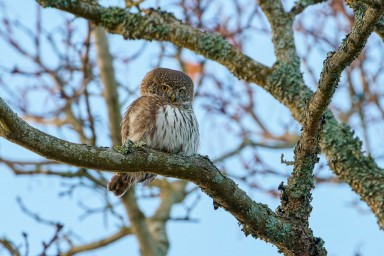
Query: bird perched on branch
163	118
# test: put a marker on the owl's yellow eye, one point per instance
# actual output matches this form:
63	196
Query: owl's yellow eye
164	88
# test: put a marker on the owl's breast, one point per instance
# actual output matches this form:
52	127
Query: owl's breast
176	130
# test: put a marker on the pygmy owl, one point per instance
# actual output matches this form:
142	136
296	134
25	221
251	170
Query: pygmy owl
163	118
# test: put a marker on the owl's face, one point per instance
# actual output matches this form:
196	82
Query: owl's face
174	85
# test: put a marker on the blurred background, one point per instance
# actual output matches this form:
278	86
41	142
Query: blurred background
72	80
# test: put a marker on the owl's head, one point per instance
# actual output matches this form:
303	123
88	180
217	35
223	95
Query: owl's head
172	84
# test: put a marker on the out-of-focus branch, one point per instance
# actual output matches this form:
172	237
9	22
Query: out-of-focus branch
123	232
170	194
298	193
12	249
250	143
107	76
138	222
86	79
36	168
358	6
257	219
302	4
45	121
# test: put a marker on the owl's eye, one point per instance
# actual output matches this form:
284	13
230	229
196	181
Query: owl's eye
164	88
182	92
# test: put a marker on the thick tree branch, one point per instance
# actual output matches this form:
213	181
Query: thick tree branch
282	32
361	6
285	83
256	218
297	195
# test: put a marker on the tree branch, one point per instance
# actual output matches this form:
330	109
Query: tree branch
171	193
11	248
298	193
257	219
301	5
107	76
139	225
123	232
282	32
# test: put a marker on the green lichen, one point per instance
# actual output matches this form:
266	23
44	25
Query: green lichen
152	158
277	230
112	16
218	178
178	162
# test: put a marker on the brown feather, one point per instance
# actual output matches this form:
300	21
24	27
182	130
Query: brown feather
161	122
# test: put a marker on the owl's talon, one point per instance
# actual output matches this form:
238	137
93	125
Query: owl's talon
139	144
125	149
127	146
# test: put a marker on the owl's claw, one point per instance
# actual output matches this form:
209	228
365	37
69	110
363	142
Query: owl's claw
125	149
138	144
127	146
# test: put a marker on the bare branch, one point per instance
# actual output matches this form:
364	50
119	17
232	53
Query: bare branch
107	75
170	194
250	143
139	226
10	247
123	232
302	4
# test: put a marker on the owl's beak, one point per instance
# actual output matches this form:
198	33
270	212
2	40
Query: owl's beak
174	97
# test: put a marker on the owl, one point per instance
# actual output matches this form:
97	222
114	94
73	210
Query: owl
162	118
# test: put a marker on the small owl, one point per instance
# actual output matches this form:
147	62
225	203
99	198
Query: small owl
163	118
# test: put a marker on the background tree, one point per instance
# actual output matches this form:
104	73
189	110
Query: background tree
67	78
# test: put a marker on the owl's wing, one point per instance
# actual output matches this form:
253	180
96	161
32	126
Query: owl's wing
139	120
138	124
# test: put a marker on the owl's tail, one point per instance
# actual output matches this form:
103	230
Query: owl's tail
121	182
